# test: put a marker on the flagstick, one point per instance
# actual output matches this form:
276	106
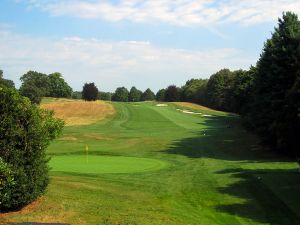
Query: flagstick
87	153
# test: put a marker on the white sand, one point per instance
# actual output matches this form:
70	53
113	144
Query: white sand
188	111
191	112
161	105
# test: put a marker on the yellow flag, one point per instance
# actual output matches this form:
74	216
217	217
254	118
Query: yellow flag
87	153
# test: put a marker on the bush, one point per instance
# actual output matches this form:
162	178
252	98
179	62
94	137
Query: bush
7	183
25	132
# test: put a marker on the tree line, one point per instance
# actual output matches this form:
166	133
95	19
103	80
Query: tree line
222	91
90	92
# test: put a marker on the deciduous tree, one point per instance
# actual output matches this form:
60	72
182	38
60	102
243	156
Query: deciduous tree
217	90
90	92
134	95
58	87
160	95
172	94
148	95
106	96
35	85
6	82
194	90
121	95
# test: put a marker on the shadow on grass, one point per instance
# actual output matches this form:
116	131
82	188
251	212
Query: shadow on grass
267	195
224	138
271	196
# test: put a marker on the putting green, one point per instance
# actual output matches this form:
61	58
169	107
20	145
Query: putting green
104	164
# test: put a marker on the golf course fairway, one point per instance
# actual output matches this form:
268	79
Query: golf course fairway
94	164
146	163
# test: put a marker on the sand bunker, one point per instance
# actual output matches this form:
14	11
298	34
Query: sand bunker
191	112
188	111
161	105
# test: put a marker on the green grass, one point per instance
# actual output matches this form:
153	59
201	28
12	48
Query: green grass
94	164
201	173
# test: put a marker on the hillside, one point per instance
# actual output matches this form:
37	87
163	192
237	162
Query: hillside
79	112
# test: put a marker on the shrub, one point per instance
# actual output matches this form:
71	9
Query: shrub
25	132
7	183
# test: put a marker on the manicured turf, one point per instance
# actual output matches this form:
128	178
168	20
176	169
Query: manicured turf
207	172
94	164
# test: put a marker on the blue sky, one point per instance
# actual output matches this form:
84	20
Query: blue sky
134	42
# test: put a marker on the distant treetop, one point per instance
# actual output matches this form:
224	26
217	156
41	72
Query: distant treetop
90	92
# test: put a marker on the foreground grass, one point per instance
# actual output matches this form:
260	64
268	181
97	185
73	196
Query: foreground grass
210	174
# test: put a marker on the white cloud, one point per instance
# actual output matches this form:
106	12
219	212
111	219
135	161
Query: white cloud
112	63
175	12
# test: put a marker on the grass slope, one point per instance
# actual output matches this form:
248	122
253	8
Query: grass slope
79	112
214	174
